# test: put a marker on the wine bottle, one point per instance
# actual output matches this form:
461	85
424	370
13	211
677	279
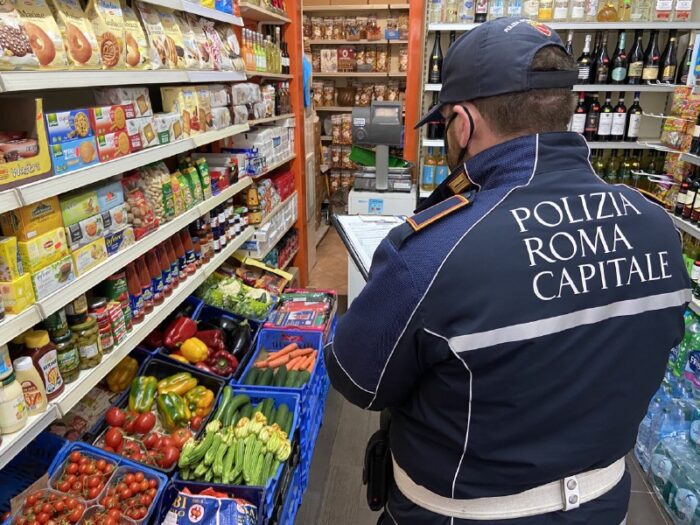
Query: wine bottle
625	173
561	10
570	43
667	68
618	65
636	59
435	64
652	58
453	37
578	11
602	61
619	120
634	119
598	163
592	119
605	119
578	120
611	168
684	70
584	62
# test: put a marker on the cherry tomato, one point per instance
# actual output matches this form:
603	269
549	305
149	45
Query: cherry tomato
93	481
75	456
47	508
93	493
115	417
144	423
83	468
138	476
60	506
101	464
31	500
43	517
110	521
151	440
64	486
71	503
37	507
128	478
72	468
114	438
169	457
107	448
108	469
144	485
152	492
83	460
78	486
153	483
145	499
122	486
75	515
125	494
135	487
90	469
114	513
71	478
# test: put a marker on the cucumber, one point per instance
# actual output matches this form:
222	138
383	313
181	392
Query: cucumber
226	398
236	403
252	377
288	423
246	411
267	406
304	377
291	379
280	376
281	417
266	377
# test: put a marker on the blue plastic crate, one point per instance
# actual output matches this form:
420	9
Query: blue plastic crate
292	502
252	494
257	395
120	461
28	466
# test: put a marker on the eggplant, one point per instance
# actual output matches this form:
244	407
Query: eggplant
241	343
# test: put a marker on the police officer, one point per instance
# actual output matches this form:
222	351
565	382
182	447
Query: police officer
517	328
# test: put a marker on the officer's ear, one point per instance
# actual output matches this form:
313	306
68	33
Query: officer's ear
466	122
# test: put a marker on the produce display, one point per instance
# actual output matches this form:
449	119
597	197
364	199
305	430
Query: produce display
290	367
45	505
242	444
230	294
83	476
130	493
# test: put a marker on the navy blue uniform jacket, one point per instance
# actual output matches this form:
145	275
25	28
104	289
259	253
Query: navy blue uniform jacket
518	339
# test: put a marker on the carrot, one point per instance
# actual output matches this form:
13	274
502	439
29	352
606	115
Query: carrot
260	364
295	362
286	350
278	361
301	352
308	364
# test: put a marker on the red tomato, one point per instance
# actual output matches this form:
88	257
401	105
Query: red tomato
125	494
37	507
90	469
153	483
169	457
145	500
78	486
114	513
101	464
152	492
110	521
144	423
180	436
135	487
138	476
75	456
31	499
129	478
114	438
59	506
71	503
166	442
42	517
196	422
93	493
115	417
83	460
75	515
144	485
151	440
107	448
64	486
108	469
129	424
72	468
46	508
94	481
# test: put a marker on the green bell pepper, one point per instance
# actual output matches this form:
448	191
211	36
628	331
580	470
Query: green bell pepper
173	410
142	393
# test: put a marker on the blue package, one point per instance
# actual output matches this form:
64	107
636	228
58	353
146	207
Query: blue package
190	509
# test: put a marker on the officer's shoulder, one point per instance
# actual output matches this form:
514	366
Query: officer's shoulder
429	218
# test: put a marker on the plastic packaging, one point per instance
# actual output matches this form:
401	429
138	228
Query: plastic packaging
45	358
5	362
32	386
13	411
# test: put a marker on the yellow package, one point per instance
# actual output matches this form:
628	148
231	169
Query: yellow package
17	295
189	43
183	100
10	263
89	256
108	23
136	44
178	195
78	36
173	39
43	33
29	221
43	250
207	3
204	107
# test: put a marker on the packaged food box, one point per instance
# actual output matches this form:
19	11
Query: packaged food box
43	250
84	232
109	195
168	127
117	241
65	126
10	261
53	277
34	219
73	155
116	218
76	207
89	256
138	97
113	145
183	100
17	294
132	130
108	119
144	129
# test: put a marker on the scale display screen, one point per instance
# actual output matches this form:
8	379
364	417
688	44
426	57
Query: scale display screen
388	114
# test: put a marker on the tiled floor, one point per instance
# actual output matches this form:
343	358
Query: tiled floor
335	495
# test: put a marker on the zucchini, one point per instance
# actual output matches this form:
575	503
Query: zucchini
226	398
227	468
234	419
281	417
288	423
252	377
304	377
246	411
266	377
280	376
264	473
235	403
267	406
211	453
291	378
273	415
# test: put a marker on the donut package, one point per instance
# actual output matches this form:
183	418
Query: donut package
43	33
15	49
78	36
108	23
136	44
155	33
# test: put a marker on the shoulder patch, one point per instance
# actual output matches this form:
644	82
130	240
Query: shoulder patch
437	212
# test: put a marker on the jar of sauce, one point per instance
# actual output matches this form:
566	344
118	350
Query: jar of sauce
68	356
13	410
45	358
135	294
77	310
32	386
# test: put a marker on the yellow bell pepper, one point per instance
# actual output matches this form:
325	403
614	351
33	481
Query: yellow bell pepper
179	383
194	350
122	375
179	357
200	400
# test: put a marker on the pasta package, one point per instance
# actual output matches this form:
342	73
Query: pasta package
174	46
135	41
108	23
43	33
155	34
79	38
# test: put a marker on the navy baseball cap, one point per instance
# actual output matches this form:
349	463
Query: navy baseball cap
495	58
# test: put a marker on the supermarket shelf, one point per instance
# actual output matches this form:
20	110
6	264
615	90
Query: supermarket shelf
358	74
686	226
259	14
196	9
335	108
13	81
356	8
651	88
592	26
289	261
13	325
58	184
433	143
440	143
397	74
274	166
690	158
13	443
652	144
276	209
263	74
252	123
354	42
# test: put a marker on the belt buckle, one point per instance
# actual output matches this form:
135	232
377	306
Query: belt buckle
570	493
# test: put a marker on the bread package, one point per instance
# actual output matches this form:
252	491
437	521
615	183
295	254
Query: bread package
78	36
135	41
43	33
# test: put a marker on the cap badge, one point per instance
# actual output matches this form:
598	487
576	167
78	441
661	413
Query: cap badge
540	27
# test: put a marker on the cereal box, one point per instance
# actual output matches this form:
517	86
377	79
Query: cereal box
34	219
53	277
89	256
113	146
65	126
17	294
43	250
73	155
10	261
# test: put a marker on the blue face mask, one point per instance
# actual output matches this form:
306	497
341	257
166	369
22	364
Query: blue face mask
463	152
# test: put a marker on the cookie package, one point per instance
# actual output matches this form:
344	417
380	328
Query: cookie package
138	97
43	33
136	53
108	23
189	42
65	126
78	36
155	34
109	119
15	50
113	145
73	154
174	49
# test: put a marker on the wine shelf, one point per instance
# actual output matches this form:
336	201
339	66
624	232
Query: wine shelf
646	88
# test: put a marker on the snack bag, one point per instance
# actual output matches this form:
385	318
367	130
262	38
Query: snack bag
108	23
136	53
43	33
15	49
139	212
155	33
189	41
78	35
221	60
178	193
217	509
174	46
206	60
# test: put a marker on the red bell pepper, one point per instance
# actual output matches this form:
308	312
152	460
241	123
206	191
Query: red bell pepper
214	339
222	363
179	330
